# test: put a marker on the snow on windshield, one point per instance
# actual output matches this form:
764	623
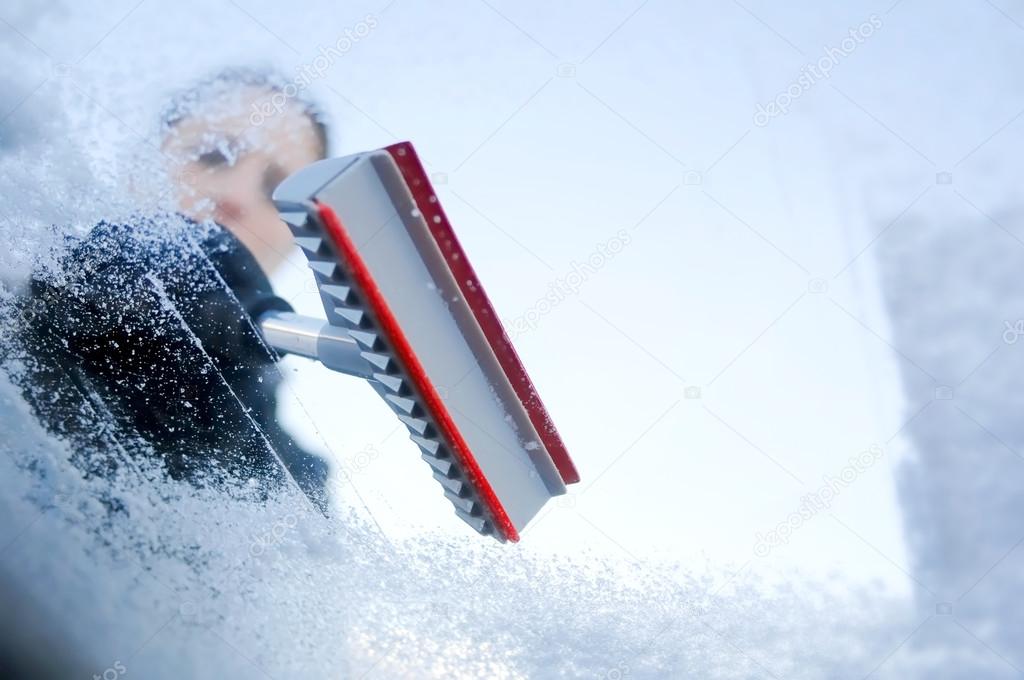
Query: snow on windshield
760	261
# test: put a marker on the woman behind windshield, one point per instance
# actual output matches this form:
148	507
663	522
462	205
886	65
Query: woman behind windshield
143	343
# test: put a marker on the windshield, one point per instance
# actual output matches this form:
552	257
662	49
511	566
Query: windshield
760	261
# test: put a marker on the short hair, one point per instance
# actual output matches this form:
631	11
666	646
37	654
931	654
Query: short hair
190	101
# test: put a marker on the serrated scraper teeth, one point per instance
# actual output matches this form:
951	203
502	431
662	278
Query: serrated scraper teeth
442	465
381	361
418	425
351	314
467	505
404	404
392	382
323	268
430	446
453	485
310	244
366	339
295	219
478	522
341	294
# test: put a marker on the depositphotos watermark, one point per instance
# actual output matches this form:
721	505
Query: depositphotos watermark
566	286
618	672
818	501
272	536
1014	331
813	73
307	74
112	673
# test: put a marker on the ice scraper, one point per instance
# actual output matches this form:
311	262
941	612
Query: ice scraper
406	311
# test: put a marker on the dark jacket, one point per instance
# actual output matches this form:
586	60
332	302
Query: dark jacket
143	343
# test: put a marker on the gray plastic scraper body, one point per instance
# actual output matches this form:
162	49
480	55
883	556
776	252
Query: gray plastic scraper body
391	273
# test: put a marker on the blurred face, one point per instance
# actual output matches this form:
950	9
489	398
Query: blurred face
226	168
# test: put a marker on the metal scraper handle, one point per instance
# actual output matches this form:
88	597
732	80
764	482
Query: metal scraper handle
306	336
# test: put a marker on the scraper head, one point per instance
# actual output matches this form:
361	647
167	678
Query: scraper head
391	272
